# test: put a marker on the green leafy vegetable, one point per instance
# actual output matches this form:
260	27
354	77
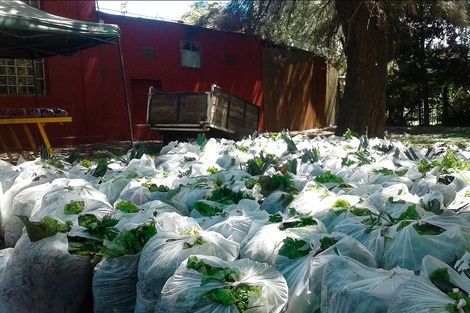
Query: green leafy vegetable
294	248
276	182
349	134
410	215
327	242
47	227
196	240
213	170
341	203
201	140
86	247
327	177
127	207
310	156
210	272
291	147
384	171
238	295
226	195
74	207
304	221
154	188
130	241
440	278
206	209
275	218
259	165
100	228
101	168
449	164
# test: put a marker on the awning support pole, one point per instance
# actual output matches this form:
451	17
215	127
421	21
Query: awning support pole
129	116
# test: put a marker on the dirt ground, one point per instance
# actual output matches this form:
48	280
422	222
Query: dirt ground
95	150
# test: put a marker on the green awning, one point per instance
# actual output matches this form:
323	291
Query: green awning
29	33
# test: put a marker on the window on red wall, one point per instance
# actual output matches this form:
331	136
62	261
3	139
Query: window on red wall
22	76
191	54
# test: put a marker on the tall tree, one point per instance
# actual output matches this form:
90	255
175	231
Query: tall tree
367	30
363	106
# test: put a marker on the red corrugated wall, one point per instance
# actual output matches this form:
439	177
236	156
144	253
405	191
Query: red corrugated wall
89	84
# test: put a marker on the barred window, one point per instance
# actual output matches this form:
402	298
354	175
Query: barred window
22	77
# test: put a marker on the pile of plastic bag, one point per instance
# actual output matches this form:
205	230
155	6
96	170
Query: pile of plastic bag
265	224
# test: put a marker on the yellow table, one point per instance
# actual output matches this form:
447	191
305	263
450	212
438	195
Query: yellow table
24	121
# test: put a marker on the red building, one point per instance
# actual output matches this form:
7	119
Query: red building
170	56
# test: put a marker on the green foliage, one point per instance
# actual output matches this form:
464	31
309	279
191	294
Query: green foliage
310	156
130	241
205	209
74	156
201	140
327	242
101	168
304	221
276	182
284	135
103	229
154	188
133	153
250	182
384	171
225	195
410	215
74	207
127	207
91	248
275	218
213	170
86	163
294	248
349	134
327	177
209	272
449	164
238	295
197	240
259	165
341	203
441	279
47	227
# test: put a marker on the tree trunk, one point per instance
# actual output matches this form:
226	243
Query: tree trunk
363	106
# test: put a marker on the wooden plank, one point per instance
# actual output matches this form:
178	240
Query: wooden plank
44	137
15	139
6	149
193	108
30	139
34	120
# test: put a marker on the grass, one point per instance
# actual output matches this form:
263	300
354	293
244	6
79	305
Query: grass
425	136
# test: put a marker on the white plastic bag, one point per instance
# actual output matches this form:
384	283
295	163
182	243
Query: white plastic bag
42	277
351	287
164	252
183	291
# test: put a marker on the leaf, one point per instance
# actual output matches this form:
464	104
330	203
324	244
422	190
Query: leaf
205	209
74	207
291	147
127	207
294	248
101	168
47	227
